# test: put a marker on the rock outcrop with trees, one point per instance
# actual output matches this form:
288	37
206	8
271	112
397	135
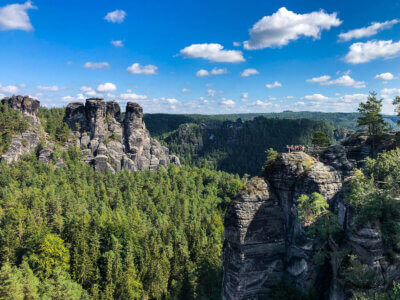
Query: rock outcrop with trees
96	128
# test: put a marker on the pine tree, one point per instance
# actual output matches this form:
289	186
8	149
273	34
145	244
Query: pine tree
320	139
396	102
371	116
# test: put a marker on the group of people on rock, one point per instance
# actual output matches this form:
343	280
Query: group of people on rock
295	148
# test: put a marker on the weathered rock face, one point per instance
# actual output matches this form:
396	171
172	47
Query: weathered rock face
106	142
28	106
359	145
265	242
110	144
255	244
30	139
75	116
95	109
336	156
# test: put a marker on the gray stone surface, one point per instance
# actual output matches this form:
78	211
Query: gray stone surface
106	142
126	144
266	244
29	140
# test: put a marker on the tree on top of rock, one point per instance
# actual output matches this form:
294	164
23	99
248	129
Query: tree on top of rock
371	116
320	139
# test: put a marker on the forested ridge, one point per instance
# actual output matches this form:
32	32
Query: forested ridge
162	123
239	147
74	233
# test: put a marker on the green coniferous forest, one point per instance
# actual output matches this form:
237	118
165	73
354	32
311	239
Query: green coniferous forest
74	233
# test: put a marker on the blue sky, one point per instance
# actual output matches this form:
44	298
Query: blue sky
202	56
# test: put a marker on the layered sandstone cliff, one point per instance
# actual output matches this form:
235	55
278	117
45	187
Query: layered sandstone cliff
24	143
266	244
106	141
112	144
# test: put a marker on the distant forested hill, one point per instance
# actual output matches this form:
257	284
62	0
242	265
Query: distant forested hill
162	123
238	147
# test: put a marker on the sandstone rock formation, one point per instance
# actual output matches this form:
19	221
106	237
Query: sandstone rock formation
106	141
30	139
265	243
110	144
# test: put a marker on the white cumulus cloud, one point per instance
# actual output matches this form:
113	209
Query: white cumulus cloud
106	87
215	71
117	43
371	30
78	97
319	102
385	76
172	101
344	80
315	97
249	72
218	71
132	97
212	52
202	73
185	90
52	88
67	98
262	103
96	65
284	26
211	93
389	92
273	85
227	102
9	89
136	68
322	78
370	50
15	17
88	91
116	16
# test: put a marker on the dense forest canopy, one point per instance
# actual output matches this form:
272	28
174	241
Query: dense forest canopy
75	233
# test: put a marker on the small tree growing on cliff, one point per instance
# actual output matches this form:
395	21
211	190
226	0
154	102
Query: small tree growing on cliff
371	116
320	139
310	208
271	156
323	225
